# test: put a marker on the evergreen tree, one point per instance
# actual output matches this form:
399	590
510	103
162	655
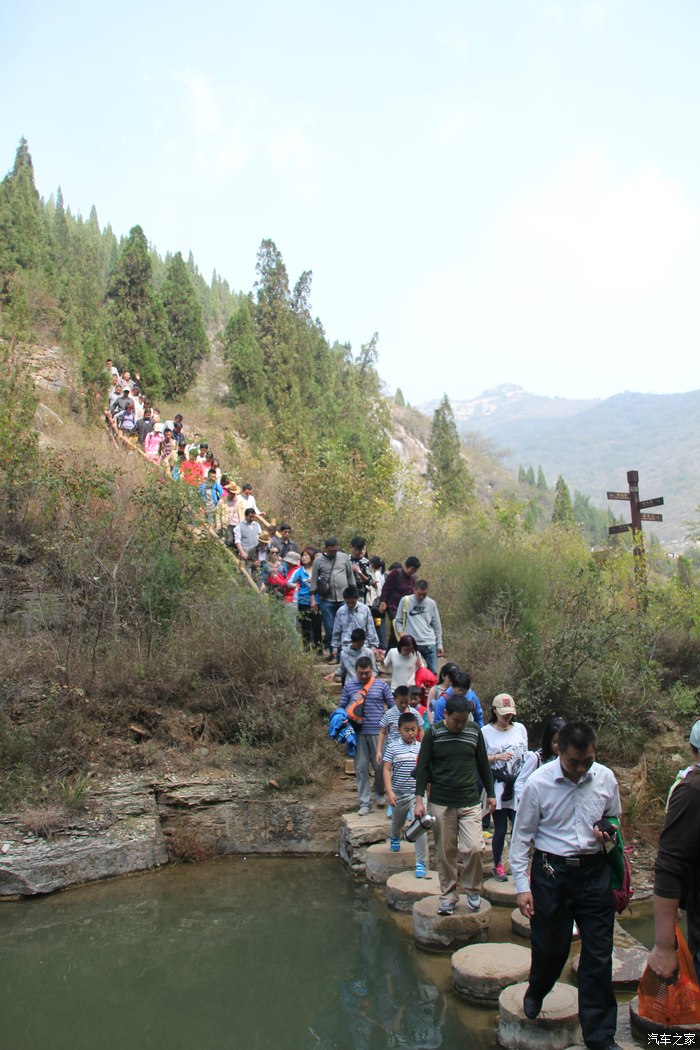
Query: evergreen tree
185	342
531	477
541	480
136	317
563	511
399	399
522	475
448	475
246	363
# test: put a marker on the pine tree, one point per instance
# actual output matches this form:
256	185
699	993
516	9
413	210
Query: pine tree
136	318
185	342
448	475
541	480
522	475
246	363
399	399
531	476
563	511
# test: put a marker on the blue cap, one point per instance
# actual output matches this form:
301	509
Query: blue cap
695	735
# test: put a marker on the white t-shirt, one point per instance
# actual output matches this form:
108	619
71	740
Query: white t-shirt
513	739
403	668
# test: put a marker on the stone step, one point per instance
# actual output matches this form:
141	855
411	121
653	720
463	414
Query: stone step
447	933
520	924
381	862
480	972
556	1027
358	833
404	889
502	893
628	965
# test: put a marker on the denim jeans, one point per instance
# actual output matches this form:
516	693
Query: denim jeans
429	654
328	610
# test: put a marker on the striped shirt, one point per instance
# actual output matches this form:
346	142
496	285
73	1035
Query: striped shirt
390	722
403	758
449	763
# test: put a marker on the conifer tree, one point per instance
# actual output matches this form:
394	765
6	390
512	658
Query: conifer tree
246	363
531	476
541	480
522	475
136	318
185	342
448	475
562	511
399	399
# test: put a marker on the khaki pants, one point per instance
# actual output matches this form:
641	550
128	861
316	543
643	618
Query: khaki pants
458	830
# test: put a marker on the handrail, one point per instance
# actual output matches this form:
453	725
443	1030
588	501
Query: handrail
116	435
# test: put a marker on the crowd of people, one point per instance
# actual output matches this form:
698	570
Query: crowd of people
424	742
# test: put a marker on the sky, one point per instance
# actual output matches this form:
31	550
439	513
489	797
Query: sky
506	191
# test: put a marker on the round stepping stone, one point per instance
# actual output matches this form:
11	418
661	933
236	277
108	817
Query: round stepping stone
627	967
644	1025
404	889
555	1028
381	863
480	972
446	933
500	892
520	924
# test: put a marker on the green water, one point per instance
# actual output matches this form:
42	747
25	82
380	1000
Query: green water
263	953
259	953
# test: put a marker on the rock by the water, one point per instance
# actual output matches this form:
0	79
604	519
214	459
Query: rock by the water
520	924
358	833
480	972
555	1028
446	933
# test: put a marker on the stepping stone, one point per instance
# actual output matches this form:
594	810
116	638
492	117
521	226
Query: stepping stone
627	967
556	1027
500	892
644	1026
446	933
381	863
480	972
404	889
520	924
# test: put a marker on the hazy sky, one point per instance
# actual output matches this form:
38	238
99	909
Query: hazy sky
506	190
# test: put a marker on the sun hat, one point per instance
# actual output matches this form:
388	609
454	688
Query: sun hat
293	558
504	704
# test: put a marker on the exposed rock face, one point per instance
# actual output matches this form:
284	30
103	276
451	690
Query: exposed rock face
134	825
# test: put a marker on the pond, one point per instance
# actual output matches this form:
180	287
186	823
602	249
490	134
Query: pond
260	953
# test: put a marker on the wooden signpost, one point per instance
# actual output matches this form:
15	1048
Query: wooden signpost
638	515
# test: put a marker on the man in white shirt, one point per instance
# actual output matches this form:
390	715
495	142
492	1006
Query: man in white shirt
561	807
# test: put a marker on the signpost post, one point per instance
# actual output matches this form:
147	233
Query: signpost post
637	507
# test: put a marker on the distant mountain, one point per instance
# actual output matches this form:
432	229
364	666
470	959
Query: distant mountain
594	443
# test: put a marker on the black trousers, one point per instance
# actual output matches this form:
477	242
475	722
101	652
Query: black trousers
584	895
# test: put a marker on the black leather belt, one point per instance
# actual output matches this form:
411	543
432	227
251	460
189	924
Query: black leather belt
579	860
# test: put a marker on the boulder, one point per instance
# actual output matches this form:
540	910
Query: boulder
358	833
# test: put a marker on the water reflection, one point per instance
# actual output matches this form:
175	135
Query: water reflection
264	953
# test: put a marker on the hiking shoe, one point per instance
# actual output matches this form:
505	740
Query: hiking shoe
446	908
473	901
380	801
364	811
420	869
499	873
394	844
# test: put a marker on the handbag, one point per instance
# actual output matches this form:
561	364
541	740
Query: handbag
323	583
356	708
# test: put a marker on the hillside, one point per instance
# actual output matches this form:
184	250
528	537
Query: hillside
594	444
